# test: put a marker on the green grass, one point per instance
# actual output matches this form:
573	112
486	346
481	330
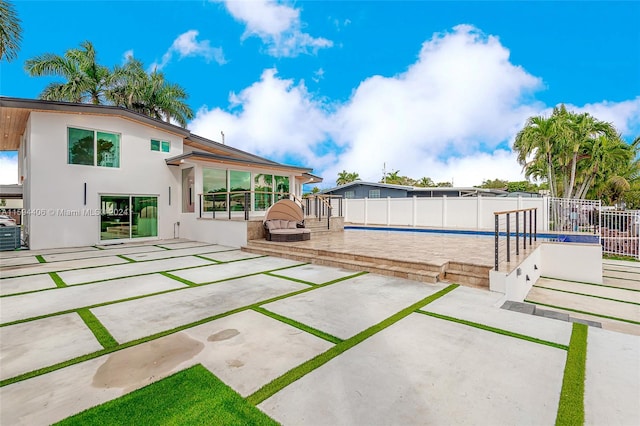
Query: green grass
305	368
192	396
495	330
102	334
318	333
40	259
128	259
615	257
571	406
177	278
584	312
56	279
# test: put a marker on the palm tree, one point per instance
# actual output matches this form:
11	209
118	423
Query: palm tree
425	182
149	94
86	80
10	31
345	177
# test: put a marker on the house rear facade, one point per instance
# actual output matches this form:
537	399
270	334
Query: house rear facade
95	174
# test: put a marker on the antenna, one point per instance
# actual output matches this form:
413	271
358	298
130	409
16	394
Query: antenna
222	133
384	172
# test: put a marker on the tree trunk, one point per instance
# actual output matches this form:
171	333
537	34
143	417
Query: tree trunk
572	182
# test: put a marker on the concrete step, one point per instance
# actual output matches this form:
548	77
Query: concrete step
468	278
373	266
277	247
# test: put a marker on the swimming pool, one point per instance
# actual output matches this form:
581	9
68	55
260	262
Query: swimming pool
563	238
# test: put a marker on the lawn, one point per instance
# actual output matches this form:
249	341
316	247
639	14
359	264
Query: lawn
192	396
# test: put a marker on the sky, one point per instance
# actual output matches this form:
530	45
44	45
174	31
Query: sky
433	89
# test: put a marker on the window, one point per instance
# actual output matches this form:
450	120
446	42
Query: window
158	145
282	186
239	182
349	194
263	186
214	181
93	148
374	193
187	190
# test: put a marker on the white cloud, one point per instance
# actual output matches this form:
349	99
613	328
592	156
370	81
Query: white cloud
277	25
187	45
624	115
126	55
452	114
8	167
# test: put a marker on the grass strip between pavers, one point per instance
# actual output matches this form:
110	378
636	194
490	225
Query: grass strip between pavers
494	329
102	334
99	248
297	280
177	278
318	333
40	259
571	406
128	259
583	312
305	368
86	357
56	279
191	396
587	295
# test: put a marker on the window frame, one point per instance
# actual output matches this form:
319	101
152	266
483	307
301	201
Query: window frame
95	149
374	193
161	145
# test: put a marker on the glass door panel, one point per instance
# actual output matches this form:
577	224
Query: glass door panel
114	217
144	217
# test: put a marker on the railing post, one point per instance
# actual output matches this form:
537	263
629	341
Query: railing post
524	230
247	200
495	244
530	230
508	240
229	204
517	233
200	209
535	225
328	217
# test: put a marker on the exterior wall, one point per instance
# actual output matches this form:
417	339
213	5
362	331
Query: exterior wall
445	212
231	233
52	185
362	191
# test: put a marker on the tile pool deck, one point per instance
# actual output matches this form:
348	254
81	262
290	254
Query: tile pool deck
169	305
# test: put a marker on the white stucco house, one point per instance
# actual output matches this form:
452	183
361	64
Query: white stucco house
96	174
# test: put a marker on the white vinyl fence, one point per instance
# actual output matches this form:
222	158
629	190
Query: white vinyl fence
619	232
470	213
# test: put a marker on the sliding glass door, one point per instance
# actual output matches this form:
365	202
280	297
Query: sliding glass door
128	217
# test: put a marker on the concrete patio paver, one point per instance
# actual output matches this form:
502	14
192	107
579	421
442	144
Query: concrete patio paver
593	290
28	253
36	344
23	284
173	245
423	370
316	274
246	350
86	254
32	305
626	311
479	306
17	261
155	314
622	283
621	274
166	254
81	276
350	306
230	256
230	270
41	268
612	383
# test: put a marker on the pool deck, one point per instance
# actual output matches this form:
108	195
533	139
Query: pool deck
85	328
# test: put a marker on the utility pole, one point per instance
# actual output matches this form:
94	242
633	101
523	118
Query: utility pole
384	172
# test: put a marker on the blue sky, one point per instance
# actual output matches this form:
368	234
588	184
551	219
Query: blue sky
428	88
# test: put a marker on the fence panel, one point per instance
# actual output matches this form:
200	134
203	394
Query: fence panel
619	232
429	212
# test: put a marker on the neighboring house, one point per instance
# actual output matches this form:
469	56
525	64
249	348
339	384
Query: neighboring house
93	174
360	189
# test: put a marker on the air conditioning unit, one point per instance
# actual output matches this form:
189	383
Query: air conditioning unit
9	238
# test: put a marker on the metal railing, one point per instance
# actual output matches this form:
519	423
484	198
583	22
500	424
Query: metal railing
511	221
322	206
619	232
573	216
240	202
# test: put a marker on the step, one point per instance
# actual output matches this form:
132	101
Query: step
468	278
280	248
351	264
